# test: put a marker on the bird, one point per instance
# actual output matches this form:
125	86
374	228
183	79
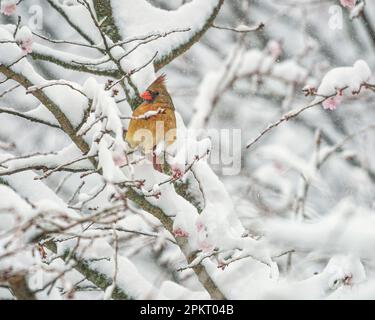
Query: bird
153	121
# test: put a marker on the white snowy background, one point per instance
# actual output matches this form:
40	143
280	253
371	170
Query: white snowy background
297	222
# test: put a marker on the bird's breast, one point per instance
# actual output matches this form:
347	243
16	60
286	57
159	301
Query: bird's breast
150	124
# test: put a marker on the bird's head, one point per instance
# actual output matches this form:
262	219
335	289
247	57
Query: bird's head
157	92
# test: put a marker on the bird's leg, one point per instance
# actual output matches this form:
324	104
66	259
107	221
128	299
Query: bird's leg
157	166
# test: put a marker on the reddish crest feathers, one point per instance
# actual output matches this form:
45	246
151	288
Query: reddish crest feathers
161	79
156	88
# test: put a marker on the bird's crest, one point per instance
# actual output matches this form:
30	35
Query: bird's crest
161	79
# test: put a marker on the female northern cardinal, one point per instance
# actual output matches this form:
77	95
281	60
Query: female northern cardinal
153	121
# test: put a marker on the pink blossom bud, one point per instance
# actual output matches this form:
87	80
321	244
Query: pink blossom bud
205	246
177	173
24	38
348	3
200	226
332	102
180	233
8	8
274	48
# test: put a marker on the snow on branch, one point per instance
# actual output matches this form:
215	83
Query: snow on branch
343	217
74	14
113	217
101	66
197	16
105	14
102	107
243	64
330	92
33	116
56	228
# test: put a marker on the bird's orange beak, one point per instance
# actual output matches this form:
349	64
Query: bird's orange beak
147	96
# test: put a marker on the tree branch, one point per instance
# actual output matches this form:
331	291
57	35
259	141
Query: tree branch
163	61
202	274
290	115
167	222
62	119
20	288
101	280
38	55
70	22
104	13
27	117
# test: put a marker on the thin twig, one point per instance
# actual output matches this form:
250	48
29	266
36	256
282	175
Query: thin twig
290	115
240	29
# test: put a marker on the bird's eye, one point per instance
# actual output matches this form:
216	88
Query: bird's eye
155	93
